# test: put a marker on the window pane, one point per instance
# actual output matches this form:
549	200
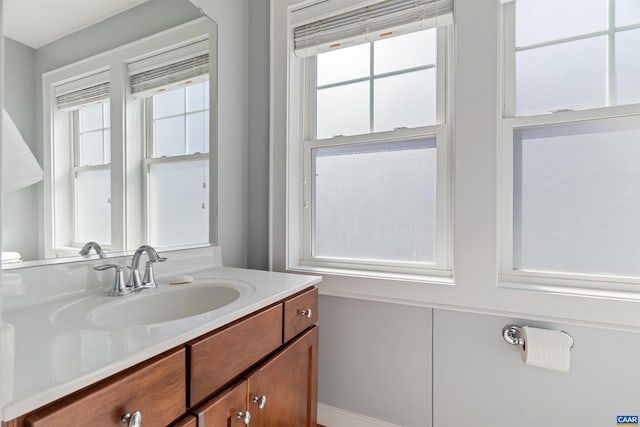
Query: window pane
169	137
91	148
628	66
179	203
106	115
93	210
577	198
196	97
343	110
107	146
406	51
91	117
169	103
405	100
343	64
539	21
627	12
568	75
198	132
376	201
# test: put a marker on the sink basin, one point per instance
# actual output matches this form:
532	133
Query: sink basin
150	306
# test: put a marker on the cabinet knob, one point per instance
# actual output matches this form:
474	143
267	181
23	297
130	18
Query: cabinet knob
260	400
132	420
244	416
306	313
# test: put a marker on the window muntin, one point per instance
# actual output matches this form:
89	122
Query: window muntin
177	166
570	192
364	88
377	167
566	57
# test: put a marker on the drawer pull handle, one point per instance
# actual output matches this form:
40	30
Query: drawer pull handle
132	420
244	416
306	313
261	401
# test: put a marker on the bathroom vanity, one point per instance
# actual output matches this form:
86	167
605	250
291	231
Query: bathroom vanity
250	362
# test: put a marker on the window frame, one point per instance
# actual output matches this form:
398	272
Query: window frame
510	124
302	142
75	168
149	158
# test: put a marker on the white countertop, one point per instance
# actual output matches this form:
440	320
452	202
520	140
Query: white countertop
53	359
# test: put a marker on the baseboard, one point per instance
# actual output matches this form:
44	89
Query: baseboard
335	417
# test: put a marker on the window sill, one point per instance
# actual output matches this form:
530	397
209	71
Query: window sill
578	288
446	278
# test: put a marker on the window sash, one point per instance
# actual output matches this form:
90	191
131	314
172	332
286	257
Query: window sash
443	249
510	49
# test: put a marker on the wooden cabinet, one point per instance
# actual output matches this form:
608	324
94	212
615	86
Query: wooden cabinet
227	409
281	392
265	364
286	386
300	312
156	389
218	358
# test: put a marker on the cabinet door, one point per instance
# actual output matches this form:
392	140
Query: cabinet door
226	409
286	386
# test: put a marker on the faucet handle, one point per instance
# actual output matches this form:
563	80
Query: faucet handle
119	287
149	279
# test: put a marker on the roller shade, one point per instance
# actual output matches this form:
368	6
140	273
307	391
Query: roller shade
83	91
177	67
367	23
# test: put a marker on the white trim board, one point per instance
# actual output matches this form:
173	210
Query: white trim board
334	417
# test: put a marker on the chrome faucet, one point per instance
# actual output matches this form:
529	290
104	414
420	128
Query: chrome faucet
86	249
149	280
134	283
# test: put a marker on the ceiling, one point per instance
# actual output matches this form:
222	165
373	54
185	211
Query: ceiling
38	22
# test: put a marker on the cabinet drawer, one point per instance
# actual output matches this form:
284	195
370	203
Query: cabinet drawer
218	358
296	314
157	390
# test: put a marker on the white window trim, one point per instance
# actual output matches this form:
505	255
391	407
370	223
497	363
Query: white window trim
528	279
299	182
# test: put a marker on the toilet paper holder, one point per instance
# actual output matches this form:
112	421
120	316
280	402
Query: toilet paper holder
512	334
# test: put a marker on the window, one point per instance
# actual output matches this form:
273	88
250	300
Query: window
91	174
177	166
571	132
374	141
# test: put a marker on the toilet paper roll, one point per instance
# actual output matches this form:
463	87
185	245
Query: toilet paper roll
545	348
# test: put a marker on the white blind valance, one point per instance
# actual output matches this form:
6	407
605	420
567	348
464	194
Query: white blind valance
368	23
83	91
177	67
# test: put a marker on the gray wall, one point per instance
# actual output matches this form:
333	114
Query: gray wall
375	359
19	208
258	153
480	381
